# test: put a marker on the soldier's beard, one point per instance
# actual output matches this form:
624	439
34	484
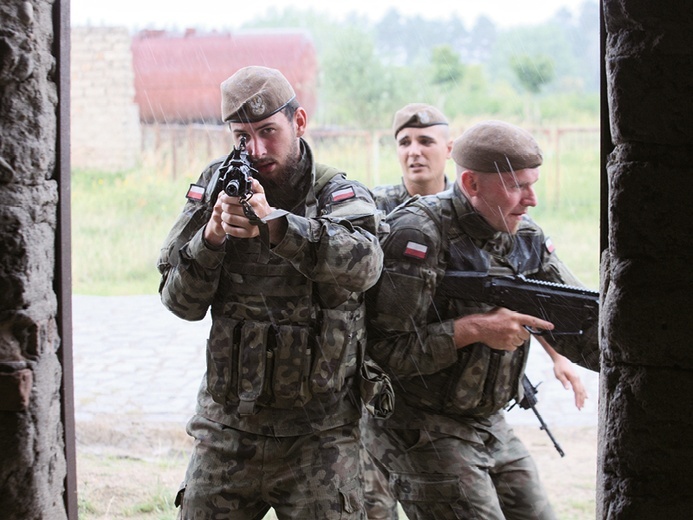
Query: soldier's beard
285	188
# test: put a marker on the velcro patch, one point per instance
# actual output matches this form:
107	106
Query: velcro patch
343	194
195	192
415	250
549	245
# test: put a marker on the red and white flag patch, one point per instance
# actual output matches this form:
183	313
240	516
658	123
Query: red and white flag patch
343	194
416	250
195	192
549	245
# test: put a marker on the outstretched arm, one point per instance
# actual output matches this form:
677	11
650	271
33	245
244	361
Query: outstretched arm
565	372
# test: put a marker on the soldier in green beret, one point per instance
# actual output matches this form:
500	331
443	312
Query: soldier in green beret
447	449
423	141
283	271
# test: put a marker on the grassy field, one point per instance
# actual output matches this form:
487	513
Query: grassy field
120	220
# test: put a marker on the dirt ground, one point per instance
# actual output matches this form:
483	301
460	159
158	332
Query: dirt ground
132	470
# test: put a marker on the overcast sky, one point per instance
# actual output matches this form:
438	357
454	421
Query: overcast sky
224	14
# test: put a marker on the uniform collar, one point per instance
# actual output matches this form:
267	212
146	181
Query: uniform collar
469	219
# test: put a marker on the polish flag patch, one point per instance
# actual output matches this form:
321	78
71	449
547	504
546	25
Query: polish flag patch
343	194
415	250
195	192
549	245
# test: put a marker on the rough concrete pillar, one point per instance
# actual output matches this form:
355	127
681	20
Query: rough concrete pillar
645	455
32	459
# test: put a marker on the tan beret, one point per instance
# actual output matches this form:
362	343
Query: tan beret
493	146
417	115
253	94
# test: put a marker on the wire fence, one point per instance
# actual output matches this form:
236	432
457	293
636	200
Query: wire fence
570	171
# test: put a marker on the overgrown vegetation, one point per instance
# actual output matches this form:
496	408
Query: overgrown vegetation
121	220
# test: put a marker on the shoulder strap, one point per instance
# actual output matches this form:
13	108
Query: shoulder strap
323	175
441	219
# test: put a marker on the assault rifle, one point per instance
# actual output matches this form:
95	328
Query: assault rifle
530	401
235	177
236	174
571	309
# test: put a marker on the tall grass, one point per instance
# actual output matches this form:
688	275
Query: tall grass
119	221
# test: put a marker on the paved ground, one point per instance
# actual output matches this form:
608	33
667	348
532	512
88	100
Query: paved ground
134	359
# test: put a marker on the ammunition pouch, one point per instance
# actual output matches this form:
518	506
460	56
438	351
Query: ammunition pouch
253	364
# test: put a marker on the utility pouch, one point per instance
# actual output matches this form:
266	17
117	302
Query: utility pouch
222	352
252	357
291	358
375	386
337	350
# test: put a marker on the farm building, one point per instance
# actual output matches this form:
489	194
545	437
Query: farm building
177	76
125	87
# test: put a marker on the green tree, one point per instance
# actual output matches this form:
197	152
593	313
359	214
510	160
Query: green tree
533	72
447	67
447	73
359	90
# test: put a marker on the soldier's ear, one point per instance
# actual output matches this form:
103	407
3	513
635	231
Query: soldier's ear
300	121
469	183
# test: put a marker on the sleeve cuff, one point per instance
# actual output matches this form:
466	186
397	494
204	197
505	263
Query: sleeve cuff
293	242
443	349
204	254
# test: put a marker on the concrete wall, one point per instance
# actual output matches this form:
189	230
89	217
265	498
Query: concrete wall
105	124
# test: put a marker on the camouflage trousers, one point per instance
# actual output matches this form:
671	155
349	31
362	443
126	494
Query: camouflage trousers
379	500
239	475
439	477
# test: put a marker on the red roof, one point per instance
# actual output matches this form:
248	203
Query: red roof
177	77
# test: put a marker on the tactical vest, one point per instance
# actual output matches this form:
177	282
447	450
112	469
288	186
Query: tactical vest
279	339
483	380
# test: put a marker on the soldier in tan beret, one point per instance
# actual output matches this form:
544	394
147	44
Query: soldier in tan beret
456	362
422	136
283	269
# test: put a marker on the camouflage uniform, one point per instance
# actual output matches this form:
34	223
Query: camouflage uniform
380	502
277	417
388	197
447	447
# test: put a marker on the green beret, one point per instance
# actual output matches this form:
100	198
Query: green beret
253	94
417	115
496	146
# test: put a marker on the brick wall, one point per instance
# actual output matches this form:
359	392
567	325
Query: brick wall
105	123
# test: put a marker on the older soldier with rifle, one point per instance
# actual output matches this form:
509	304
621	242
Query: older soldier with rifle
280	249
423	141
457	357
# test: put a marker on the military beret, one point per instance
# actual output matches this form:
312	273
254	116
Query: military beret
253	94
417	115
492	146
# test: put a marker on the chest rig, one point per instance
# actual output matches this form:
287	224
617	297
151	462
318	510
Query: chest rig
483	380
278	339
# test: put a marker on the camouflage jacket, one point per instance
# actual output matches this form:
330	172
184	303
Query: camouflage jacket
288	331
411	323
388	197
